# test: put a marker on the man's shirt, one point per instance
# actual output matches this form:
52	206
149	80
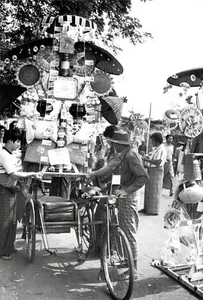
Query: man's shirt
169	150
133	174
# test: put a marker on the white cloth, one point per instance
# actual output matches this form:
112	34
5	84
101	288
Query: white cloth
169	150
8	162
158	153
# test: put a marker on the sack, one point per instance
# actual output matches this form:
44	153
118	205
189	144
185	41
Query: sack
9	182
14	189
37	151
77	153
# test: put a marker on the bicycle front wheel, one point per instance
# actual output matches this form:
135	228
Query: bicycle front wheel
117	264
30	231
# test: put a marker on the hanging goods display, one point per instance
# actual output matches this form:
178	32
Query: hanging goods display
191	121
64	66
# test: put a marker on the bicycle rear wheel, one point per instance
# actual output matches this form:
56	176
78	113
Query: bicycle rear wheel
86	234
30	231
117	264
87	230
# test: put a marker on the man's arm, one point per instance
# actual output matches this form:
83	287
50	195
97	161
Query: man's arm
101	172
108	168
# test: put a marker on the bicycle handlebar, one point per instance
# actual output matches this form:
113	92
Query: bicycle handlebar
100	197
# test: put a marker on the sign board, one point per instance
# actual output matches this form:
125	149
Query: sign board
59	156
65	88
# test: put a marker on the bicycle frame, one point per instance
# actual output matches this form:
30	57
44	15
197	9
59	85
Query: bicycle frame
111	215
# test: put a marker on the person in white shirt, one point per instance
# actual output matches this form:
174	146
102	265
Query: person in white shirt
153	187
9	187
2	132
168	166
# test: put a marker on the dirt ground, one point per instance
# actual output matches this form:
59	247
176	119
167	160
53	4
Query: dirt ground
60	277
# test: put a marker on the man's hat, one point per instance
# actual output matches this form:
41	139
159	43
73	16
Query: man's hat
120	137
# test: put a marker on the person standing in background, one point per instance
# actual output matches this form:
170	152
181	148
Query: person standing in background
168	166
2	132
142	149
153	188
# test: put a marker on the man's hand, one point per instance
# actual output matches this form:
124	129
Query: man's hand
121	193
37	175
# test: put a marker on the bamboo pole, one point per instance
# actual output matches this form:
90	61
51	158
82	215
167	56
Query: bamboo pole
148	131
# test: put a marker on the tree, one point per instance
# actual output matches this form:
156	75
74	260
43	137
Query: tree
20	19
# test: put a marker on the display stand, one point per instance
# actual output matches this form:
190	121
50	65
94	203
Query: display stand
188	232
179	274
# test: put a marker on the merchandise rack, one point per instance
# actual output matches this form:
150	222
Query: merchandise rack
179	274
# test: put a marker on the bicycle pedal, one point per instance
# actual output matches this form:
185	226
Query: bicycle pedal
101	275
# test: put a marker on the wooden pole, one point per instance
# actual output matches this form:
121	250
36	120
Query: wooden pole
148	132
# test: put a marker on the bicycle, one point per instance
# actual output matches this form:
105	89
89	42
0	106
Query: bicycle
117	266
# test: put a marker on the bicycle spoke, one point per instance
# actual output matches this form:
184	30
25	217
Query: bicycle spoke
118	266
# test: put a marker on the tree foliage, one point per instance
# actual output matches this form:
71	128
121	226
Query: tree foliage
20	19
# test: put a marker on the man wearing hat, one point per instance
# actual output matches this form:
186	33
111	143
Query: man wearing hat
133	177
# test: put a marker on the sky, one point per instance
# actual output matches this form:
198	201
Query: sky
177	45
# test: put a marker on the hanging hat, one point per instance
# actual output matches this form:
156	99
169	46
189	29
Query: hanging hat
101	84
104	60
142	124
120	137
172	114
9	93
111	109
193	78
26	50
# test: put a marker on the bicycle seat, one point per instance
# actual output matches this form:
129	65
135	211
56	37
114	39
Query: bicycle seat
52	199
58	209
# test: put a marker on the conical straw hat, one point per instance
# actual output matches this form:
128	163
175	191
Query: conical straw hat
111	109
9	93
